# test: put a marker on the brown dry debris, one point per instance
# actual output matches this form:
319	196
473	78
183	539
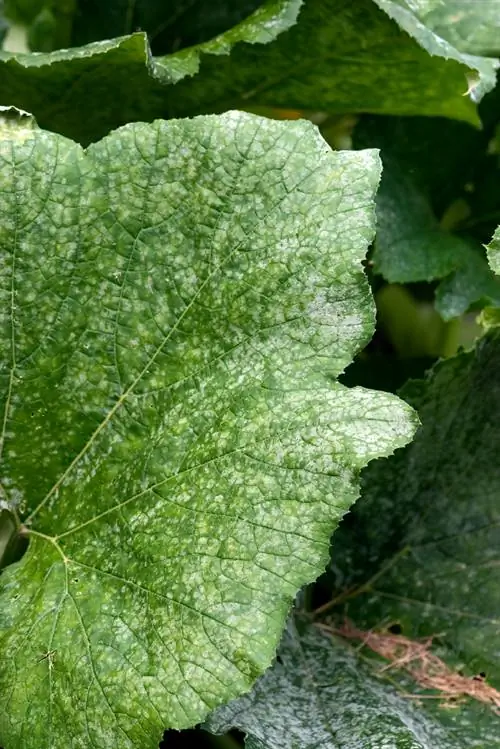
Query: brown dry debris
426	668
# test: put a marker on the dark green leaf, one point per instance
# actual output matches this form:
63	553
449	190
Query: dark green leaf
3	23
169	26
338	57
439	157
472	285
430	169
172	300
410	245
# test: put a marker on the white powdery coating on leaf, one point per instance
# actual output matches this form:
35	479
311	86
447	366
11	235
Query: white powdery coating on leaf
166	414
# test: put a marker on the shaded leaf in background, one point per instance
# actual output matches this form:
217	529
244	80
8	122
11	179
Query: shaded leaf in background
320	693
429	169
173	300
438	156
410	245
338	58
419	552
472	285
49	23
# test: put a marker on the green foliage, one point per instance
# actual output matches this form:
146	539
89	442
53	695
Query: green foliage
206	316
313	59
425	200
417	551
170	441
469	25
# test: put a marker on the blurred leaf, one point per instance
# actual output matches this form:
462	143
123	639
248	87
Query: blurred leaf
49	22
490	317
171	445
410	245
415	329
4	25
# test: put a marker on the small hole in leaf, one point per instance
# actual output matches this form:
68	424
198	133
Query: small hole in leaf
395	628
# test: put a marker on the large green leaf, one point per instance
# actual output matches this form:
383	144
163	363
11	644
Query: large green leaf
172	301
337	57
117	81
419	552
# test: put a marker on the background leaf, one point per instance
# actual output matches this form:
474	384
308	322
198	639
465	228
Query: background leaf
417	554
178	24
177	294
3	23
318	63
432	172
320	693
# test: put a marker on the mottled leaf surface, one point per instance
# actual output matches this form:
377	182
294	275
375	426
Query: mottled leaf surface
320	693
430	566
470	25
172	300
480	82
418	552
318	54
494	252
